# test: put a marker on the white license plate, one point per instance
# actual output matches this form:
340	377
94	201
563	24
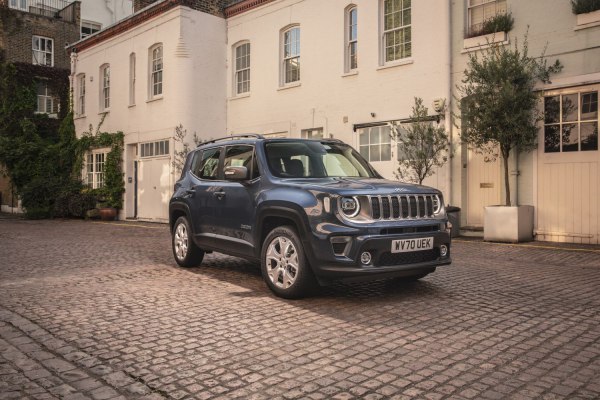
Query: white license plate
406	245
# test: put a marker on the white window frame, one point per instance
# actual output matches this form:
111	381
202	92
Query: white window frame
105	87
45	99
40	53
350	40
95	168
80	95
156	71
287	59
18	5
157	148
369	145
578	121
132	78
404	53
483	4
242	74
94	26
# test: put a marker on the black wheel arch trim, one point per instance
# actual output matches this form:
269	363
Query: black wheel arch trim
179	206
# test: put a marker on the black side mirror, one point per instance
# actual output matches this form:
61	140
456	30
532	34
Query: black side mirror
236	173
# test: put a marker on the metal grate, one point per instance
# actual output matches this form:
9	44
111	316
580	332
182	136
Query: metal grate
394	207
389	259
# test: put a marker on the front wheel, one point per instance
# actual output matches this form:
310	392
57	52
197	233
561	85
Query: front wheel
284	266
186	253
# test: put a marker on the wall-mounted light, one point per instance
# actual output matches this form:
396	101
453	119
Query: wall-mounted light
373	115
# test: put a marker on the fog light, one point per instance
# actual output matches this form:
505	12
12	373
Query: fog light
365	258
443	250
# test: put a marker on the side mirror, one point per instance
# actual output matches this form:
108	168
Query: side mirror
236	173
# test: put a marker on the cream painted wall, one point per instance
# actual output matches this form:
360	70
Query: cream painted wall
551	26
327	96
193	83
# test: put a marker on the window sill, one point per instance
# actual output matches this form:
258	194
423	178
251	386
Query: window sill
152	100
104	111
483	42
350	73
290	86
131	106
80	117
394	64
587	20
240	96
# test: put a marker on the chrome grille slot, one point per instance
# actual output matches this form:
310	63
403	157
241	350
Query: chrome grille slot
398	207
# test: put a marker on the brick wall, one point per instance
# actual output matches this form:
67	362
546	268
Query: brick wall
18	27
214	7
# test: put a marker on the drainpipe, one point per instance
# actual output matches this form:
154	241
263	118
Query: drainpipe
449	102
72	78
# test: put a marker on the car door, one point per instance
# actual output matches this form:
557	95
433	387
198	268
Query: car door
237	201
205	185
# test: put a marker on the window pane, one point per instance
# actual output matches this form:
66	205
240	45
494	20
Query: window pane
364	151
375	153
551	109
552	139
570	107
364	136
374	136
570	137
386	152
589	136
589	106
209	165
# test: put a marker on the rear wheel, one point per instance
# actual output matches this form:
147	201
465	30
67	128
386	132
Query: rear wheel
186	253
284	266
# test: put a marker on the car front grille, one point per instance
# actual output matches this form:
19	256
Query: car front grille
398	207
389	259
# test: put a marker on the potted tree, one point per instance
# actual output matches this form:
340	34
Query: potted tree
499	117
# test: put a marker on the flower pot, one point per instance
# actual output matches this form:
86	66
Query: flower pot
508	224
588	18
108	213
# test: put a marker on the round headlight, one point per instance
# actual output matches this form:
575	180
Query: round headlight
350	206
437	205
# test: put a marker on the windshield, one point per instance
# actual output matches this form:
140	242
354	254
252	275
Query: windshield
313	159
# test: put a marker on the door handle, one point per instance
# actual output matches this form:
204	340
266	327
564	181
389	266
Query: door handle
190	192
219	195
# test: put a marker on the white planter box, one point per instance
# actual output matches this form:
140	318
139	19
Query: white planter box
508	224
484	40
588	18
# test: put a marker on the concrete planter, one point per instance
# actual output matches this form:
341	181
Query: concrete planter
588	18
508	224
484	40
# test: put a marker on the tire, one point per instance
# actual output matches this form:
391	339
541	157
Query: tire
284	265
185	251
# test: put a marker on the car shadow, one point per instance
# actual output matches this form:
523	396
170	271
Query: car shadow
247	276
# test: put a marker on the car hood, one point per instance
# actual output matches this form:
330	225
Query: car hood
355	186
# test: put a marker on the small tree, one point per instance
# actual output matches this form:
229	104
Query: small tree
498	105
423	145
179	155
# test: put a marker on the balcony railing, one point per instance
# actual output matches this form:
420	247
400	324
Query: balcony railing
62	9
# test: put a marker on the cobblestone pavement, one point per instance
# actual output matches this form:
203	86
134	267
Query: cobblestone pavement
100	311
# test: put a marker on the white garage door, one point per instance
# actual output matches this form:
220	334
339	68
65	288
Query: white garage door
154	189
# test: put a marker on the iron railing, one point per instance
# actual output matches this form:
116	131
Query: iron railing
62	9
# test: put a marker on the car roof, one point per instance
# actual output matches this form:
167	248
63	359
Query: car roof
252	139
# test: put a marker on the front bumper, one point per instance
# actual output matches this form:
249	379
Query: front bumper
384	264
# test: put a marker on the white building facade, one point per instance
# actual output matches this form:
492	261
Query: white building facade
167	69
344	69
561	178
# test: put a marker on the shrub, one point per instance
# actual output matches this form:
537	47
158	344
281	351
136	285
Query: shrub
498	23
81	203
585	6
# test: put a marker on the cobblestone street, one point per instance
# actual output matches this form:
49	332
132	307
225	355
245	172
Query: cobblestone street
100	311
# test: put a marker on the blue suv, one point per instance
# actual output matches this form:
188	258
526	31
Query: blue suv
310	211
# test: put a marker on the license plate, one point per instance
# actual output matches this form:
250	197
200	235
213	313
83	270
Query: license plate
406	245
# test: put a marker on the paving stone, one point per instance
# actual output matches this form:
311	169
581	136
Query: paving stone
101	311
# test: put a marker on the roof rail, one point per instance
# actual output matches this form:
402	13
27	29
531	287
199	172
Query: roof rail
233	137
